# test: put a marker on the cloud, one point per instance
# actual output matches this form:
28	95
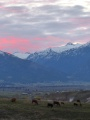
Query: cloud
12	44
40	19
82	21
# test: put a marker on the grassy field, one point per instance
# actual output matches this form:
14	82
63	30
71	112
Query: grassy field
24	110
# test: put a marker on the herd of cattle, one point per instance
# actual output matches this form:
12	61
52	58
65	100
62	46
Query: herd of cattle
51	104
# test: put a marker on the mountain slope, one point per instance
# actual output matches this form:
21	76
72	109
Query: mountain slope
74	62
15	70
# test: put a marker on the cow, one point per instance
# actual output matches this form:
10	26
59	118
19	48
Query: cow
13	100
50	105
75	104
79	102
34	102
62	103
56	103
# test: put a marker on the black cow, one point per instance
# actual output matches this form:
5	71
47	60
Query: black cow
79	102
50	105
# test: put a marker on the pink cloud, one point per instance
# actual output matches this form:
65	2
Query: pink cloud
13	44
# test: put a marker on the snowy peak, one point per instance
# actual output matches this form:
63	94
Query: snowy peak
69	43
50	52
68	46
45	53
21	55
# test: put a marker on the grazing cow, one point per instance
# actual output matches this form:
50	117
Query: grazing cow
50	105
79	102
35	101
75	104
13	100
56	103
62	103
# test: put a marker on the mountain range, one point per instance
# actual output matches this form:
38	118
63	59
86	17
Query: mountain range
60	49
69	64
74	63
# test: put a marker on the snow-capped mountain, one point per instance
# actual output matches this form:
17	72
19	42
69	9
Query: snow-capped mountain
21	55
40	55
75	62
50	52
68	46
60	49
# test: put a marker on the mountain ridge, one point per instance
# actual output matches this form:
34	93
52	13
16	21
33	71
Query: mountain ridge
60	49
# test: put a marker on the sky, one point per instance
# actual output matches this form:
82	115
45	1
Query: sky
34	25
